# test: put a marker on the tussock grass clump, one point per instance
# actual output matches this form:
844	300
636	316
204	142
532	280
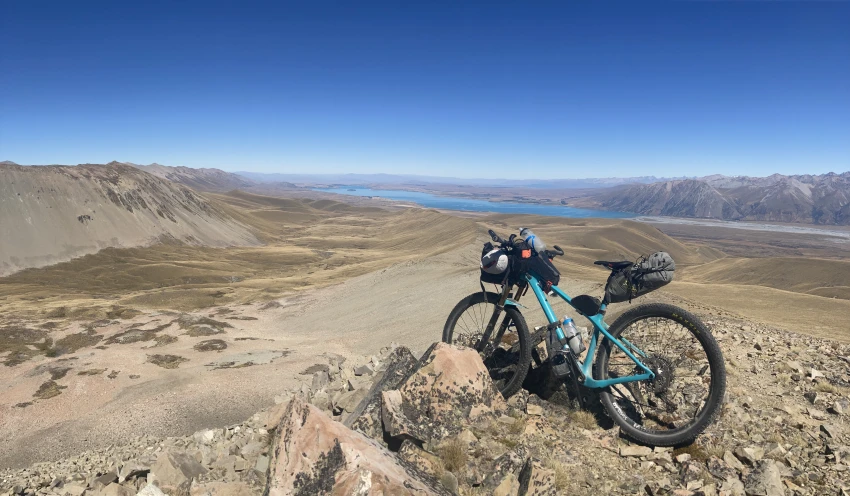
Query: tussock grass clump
74	342
167	361
91	372
517	427
697	451
164	339
783	379
583	419
19	341
48	390
825	387
211	345
453	455
562	474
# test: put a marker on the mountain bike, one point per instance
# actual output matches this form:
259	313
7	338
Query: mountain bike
659	371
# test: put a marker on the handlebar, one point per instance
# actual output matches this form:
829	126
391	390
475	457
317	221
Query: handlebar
556	251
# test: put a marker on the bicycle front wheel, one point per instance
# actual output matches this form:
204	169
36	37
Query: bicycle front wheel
686	393
507	354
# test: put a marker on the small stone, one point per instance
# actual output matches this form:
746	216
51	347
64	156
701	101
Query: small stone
765	480
635	450
509	486
449	481
684	457
116	490
467	437
105	480
176	469
795	367
73	490
320	380
816	414
815	373
750	454
240	464
532	409
262	465
151	490
364	370
831	431
321	400
839	407
812	396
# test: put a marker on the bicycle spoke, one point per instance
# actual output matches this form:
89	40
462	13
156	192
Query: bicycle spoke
680	390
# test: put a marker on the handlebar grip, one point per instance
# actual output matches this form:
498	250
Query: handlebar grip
495	237
558	250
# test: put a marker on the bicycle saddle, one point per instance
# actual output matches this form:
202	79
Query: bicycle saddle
614	265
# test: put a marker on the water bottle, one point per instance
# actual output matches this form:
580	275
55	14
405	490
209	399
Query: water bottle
535	242
572	336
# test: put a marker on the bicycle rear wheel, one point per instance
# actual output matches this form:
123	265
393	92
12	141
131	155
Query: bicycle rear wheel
507	355
690	377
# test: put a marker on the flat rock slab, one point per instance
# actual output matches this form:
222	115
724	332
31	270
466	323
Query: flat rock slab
248	359
316	455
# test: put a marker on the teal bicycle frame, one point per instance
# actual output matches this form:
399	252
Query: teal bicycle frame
599	327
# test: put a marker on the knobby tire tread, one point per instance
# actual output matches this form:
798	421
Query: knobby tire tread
713	353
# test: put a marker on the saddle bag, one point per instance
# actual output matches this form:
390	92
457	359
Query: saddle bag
646	275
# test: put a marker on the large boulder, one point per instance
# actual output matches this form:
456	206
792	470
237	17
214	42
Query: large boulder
366	416
450	390
313	454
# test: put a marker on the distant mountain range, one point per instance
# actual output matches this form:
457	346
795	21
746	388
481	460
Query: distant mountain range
807	198
814	199
416	180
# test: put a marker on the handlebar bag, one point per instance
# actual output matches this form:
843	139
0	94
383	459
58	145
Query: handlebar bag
646	275
494	268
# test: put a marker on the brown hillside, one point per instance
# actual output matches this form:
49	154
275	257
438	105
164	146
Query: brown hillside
819	277
50	214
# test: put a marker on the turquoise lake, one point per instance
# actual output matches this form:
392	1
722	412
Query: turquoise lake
470	205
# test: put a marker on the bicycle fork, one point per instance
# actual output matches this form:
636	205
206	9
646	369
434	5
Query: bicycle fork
491	325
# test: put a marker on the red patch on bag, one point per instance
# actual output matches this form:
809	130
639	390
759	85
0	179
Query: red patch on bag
526	253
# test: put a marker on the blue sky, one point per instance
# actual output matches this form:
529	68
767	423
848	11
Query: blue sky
524	89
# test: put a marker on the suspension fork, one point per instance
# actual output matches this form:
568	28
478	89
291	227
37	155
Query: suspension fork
491	325
504	327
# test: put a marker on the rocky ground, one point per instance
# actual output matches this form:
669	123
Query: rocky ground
402	425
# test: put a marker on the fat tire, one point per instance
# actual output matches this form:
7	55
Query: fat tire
524	363
676	437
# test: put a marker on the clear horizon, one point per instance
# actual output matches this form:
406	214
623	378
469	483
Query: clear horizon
548	91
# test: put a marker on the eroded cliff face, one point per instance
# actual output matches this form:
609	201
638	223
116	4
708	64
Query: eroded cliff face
50	214
823	199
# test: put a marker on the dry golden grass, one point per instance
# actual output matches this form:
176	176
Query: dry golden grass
583	419
310	243
562	473
453	455
825	387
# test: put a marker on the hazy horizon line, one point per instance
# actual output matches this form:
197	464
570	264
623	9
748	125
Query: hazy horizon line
289	173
